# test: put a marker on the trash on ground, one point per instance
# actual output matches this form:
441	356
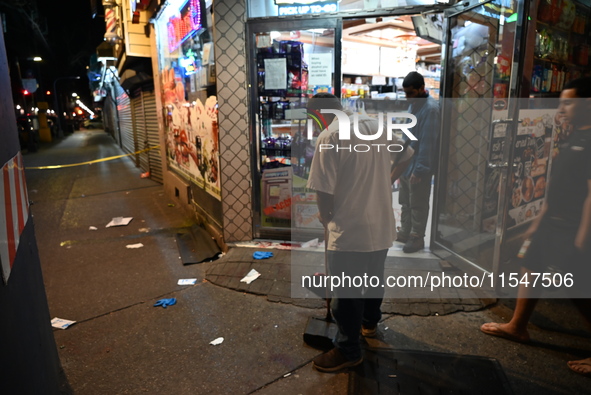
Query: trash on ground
250	277
92	228
144	230
262	255
165	302
287	375
217	341
60	323
119	221
266	244
170	205
311	243
138	245
187	281
145	175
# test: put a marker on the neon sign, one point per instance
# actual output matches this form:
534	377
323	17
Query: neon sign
181	26
188	63
304	9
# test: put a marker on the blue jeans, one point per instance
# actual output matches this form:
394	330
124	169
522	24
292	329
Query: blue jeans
354	305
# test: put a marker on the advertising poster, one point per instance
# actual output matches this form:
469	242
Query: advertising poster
532	159
532	154
191	135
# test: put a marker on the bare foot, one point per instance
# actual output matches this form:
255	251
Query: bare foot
505	331
582	366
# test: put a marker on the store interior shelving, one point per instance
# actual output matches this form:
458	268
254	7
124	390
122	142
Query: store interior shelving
562	45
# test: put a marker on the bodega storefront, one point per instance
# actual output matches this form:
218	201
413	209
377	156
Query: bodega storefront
358	50
188	106
234	78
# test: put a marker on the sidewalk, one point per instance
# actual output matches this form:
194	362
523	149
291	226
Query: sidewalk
121	344
275	281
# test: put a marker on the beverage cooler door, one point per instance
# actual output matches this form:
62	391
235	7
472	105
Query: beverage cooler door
290	62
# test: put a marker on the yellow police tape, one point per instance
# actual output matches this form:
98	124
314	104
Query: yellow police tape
90	162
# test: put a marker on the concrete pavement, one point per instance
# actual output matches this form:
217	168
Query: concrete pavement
121	344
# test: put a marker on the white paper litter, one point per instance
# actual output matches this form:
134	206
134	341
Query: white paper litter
187	281
92	228
119	221
138	245
144	230
217	341
250	277
287	375
60	323
311	243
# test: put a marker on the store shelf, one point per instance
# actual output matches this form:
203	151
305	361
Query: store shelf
544	94
553	28
559	62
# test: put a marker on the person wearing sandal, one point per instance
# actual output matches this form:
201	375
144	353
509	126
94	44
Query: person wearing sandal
561	235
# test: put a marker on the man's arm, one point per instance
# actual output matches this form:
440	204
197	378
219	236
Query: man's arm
536	222
584	233
399	169
325	203
427	147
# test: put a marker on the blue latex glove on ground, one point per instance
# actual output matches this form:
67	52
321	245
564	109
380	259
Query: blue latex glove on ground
165	302
262	255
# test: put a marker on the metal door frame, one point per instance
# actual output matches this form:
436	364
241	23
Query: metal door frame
513	111
259	26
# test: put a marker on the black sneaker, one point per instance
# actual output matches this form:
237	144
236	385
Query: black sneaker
369	330
414	244
333	361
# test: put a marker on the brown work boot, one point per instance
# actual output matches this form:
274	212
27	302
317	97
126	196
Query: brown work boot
333	361
415	243
369	330
402	239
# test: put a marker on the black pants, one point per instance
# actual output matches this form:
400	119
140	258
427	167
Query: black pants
358	299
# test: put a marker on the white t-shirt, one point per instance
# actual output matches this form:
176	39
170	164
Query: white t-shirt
363	218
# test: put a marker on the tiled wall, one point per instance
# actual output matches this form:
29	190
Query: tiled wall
230	61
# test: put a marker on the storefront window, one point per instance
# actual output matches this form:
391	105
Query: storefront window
266	8
187	78
292	66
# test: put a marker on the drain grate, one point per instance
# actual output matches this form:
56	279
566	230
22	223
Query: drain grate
425	373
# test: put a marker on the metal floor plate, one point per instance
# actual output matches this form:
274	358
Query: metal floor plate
425	373
196	246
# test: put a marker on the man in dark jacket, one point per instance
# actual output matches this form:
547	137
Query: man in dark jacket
415	183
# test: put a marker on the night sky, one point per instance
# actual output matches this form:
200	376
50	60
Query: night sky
63	32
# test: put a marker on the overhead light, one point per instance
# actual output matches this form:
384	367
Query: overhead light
37	59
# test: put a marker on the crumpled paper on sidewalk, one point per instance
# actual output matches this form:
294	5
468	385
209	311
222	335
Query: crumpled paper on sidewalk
119	221
251	276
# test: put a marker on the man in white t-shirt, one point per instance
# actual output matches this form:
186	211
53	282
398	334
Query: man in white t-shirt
353	180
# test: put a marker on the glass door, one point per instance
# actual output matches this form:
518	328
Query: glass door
292	61
481	72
